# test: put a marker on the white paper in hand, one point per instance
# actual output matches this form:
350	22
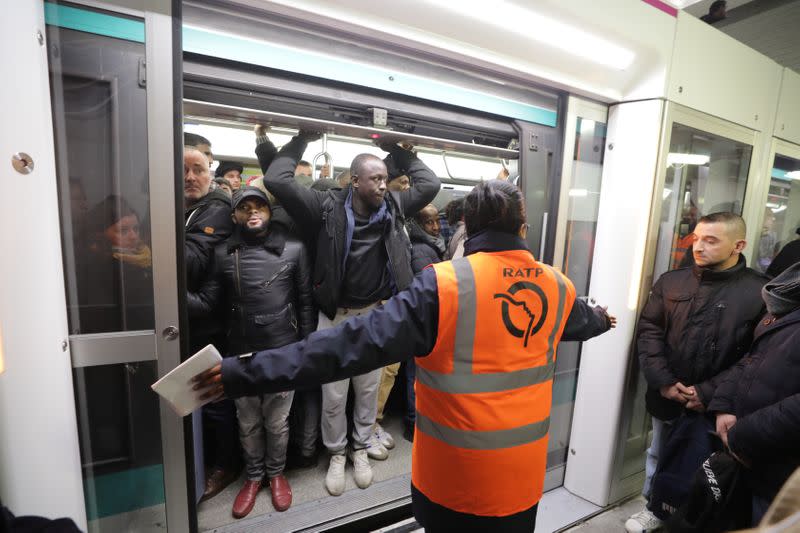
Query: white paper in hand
176	387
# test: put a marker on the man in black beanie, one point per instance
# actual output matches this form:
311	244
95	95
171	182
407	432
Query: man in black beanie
232	172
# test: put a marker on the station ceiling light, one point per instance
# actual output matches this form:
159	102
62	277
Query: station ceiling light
687	159
546	30
794	174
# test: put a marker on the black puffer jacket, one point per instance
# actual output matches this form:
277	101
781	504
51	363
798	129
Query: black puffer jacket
424	250
696	324
321	218
763	391
267	288
208	223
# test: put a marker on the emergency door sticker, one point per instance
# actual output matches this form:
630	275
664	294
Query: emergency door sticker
524	305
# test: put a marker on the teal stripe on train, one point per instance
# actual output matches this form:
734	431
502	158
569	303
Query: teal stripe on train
236	48
125	491
88	21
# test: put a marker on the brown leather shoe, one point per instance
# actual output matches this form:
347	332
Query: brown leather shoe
281	492
216	482
246	499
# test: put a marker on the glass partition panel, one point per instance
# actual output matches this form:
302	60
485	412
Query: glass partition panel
779	241
99	120
582	210
706	173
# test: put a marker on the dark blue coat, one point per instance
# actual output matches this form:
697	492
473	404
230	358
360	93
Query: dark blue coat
763	391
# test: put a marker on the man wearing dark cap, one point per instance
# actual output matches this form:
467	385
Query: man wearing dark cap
232	172
263	275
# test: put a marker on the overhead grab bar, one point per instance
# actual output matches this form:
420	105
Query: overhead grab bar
328	160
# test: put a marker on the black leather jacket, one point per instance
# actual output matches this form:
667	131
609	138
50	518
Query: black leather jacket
266	287
696	324
321	218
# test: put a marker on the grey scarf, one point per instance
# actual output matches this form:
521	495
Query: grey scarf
782	294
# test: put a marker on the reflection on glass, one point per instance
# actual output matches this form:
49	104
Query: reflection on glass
99	120
706	173
778	244
582	209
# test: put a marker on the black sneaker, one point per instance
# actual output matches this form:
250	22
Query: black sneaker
297	461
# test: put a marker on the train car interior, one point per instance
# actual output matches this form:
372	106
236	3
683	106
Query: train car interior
616	164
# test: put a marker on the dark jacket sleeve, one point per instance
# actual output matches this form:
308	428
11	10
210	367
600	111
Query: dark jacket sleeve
585	322
770	431
722	397
424	183
209	227
303	205
651	341
307	316
422	255
265	152
202	302
406	325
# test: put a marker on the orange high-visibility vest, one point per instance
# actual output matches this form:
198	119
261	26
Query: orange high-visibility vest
484	392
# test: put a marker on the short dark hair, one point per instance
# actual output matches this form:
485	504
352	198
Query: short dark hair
418	214
454	211
717	5
496	205
732	220
193	139
303	163
359	161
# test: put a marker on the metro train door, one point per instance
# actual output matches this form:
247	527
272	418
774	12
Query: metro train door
576	225
704	167
112	92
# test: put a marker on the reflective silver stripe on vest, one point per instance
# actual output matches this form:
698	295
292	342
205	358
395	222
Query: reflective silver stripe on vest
562	296
490	382
484	440
466	317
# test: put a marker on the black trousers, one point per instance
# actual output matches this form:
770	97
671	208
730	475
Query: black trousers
436	518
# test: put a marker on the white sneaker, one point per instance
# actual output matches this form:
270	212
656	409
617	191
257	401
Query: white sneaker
384	437
334	480
362	471
643	522
375	449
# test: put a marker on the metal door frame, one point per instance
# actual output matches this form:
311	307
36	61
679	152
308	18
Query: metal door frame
163	60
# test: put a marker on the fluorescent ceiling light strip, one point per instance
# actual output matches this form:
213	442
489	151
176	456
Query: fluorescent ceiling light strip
546	30
794	174
687	159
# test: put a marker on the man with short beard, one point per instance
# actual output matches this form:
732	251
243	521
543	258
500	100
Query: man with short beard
261	274
697	323
208	222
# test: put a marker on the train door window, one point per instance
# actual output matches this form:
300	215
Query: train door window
778	244
99	100
706	173
575	234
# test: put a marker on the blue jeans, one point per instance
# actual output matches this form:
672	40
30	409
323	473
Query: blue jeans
651	462
760	506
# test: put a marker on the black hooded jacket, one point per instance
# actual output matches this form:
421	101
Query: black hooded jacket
208	223
696	324
763	391
321	217
267	288
424	250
